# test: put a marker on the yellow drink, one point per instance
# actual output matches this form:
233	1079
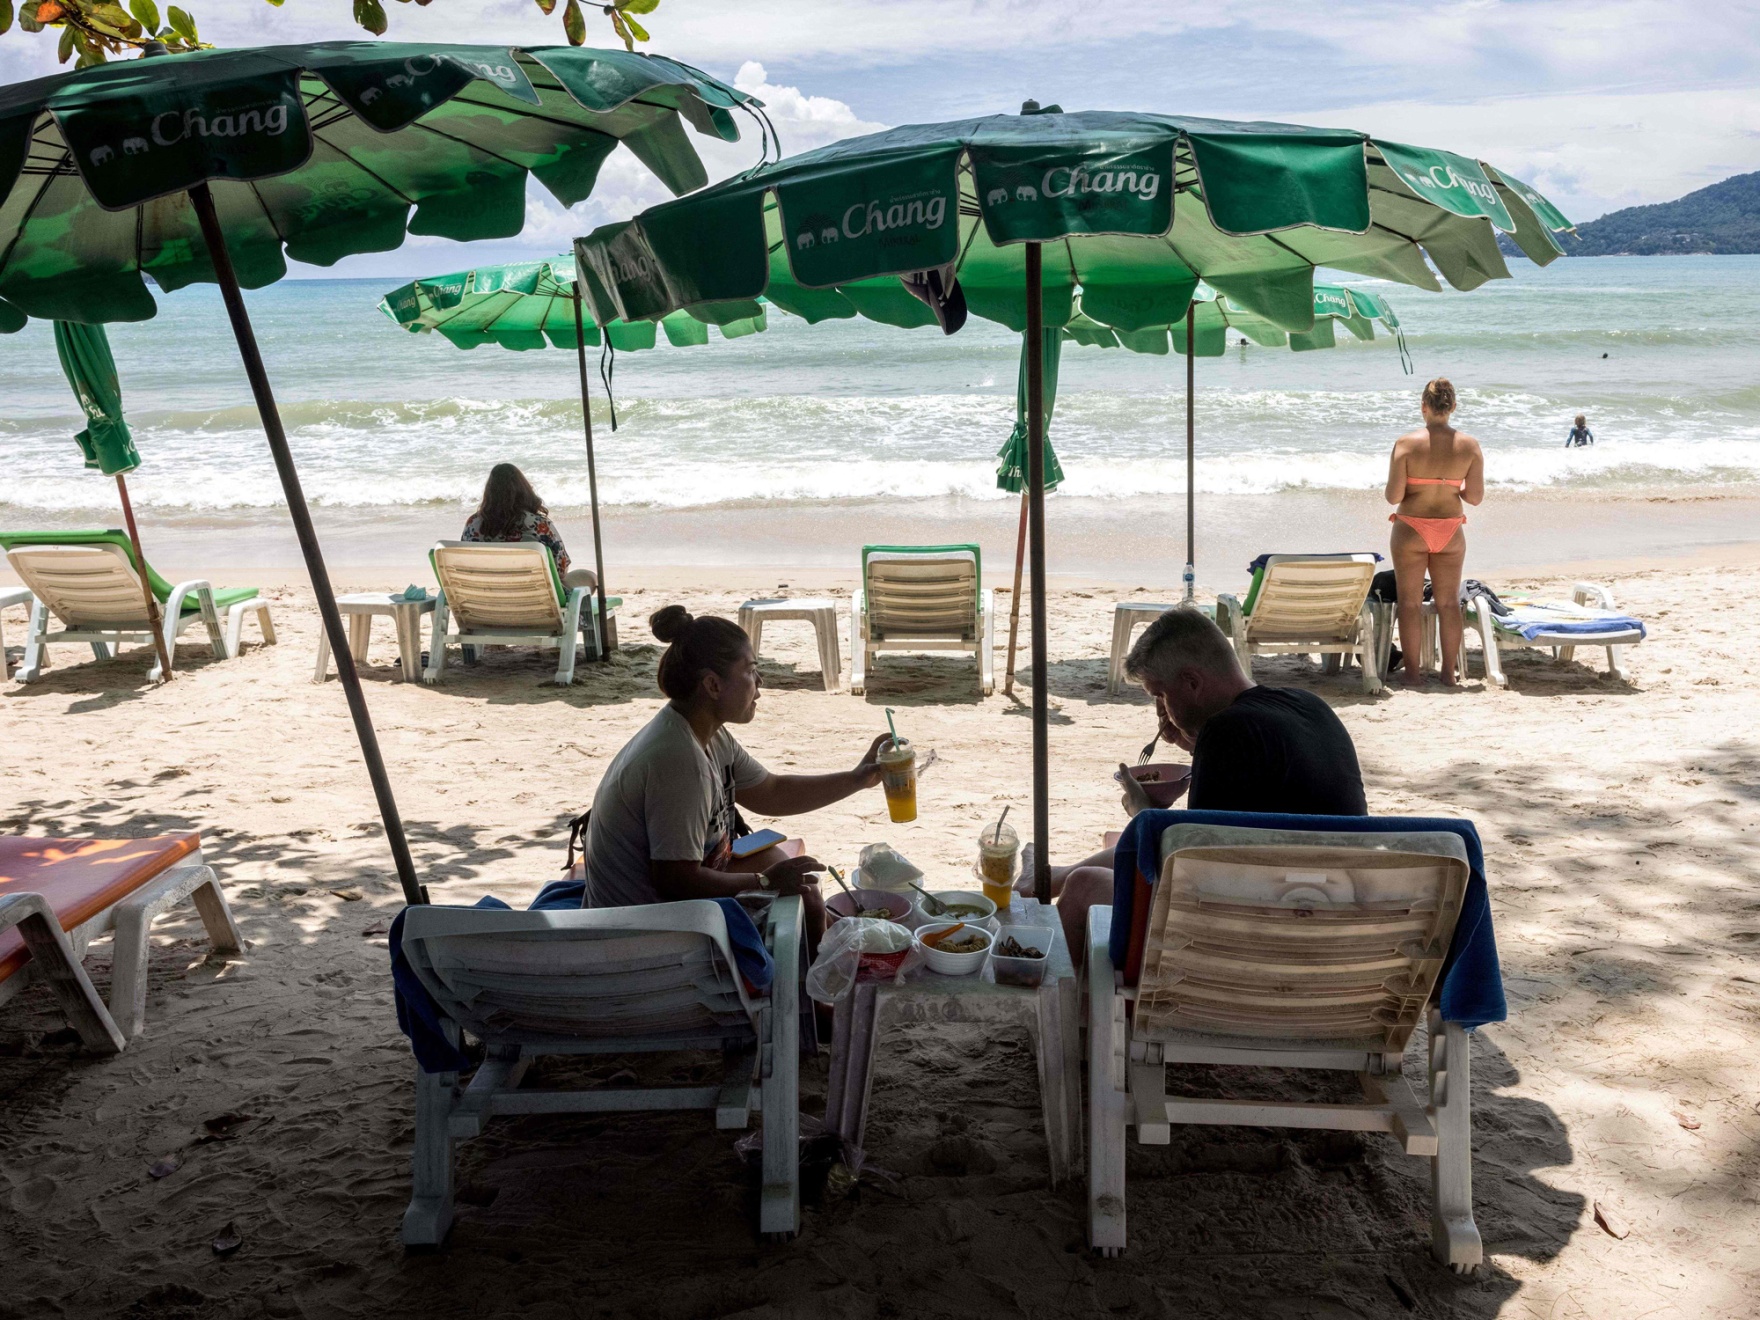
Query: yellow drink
898	777
999	851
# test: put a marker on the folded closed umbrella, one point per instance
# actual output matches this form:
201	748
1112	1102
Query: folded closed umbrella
106	442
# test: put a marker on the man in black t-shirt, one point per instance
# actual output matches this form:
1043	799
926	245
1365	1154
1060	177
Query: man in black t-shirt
1273	750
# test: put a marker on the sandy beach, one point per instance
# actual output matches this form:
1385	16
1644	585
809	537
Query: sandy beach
1621	850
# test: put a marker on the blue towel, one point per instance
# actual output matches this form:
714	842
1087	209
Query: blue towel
420	1018
1263	559
1532	621
1471	980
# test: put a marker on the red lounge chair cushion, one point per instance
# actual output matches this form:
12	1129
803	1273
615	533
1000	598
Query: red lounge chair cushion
80	877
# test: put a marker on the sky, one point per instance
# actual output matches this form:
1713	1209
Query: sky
1600	104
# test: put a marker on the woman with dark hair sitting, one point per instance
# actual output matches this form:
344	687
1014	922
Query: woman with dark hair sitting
663	817
511	511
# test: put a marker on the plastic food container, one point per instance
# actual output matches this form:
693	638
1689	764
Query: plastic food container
881	866
1014	970
874	903
954	964
982	909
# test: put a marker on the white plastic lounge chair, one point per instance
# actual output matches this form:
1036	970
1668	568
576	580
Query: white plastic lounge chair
58	895
1525	627
1307	604
1285	949
604	981
921	598
9	597
493	593
87	581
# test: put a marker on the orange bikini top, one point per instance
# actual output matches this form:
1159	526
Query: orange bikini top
1459	483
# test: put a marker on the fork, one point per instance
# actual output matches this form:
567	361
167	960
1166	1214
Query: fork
1144	755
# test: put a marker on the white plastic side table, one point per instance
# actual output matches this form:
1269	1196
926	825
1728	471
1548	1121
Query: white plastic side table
1050	1014
820	611
1127	616
360	609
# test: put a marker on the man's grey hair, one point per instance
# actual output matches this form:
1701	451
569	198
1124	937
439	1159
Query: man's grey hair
1181	639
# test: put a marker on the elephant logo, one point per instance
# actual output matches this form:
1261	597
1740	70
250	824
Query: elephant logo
134	146
399	80
828	234
1026	193
101	154
370	95
996	197
803	240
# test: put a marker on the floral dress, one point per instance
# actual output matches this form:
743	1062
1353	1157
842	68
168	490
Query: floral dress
534	527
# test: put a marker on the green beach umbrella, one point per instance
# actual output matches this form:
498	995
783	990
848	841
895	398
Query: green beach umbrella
106	443
220	165
1204	333
1007	216
536	304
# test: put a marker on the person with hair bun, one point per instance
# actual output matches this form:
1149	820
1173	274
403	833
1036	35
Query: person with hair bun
1432	473
663	818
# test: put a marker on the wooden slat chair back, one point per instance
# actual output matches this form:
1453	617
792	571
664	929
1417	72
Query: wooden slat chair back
1288	949
498	585
1308	598
84	586
921	598
927	596
1335	947
660	977
1308	604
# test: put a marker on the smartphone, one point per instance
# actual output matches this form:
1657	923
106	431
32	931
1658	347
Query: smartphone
756	842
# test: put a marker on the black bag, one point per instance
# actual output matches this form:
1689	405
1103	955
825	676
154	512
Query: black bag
577	826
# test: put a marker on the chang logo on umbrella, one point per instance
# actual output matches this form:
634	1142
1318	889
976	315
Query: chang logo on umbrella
174	126
1443	176
1067	181
864	218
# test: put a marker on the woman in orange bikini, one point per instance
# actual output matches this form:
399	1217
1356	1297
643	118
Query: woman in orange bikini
1432	473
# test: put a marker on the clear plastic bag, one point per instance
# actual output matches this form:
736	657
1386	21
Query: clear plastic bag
860	949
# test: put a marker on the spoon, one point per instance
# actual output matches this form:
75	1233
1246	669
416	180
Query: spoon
934	907
855	903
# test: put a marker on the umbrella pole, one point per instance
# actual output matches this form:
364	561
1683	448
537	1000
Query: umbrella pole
1014	601
1036	547
203	200
1191	427
580	348
154	617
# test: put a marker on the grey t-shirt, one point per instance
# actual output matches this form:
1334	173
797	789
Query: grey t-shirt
663	799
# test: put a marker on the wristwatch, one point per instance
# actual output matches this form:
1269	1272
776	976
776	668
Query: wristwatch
763	880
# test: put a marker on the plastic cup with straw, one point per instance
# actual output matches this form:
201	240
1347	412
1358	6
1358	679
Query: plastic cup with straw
898	775
999	850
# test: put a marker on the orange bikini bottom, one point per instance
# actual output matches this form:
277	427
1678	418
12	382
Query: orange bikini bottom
1437	532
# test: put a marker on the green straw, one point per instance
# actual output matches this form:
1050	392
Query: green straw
892	726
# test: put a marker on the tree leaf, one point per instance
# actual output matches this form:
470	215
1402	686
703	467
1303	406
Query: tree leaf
5	15
574	24
548	6
146	12
49	11
182	24
640	32
638	6
622	30
65	49
113	20
370	14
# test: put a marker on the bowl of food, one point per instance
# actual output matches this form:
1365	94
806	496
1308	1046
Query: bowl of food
867	903
954	948
946	905
881	950
1164	783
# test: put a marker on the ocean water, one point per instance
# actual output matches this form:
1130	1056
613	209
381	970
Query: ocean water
1660	352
